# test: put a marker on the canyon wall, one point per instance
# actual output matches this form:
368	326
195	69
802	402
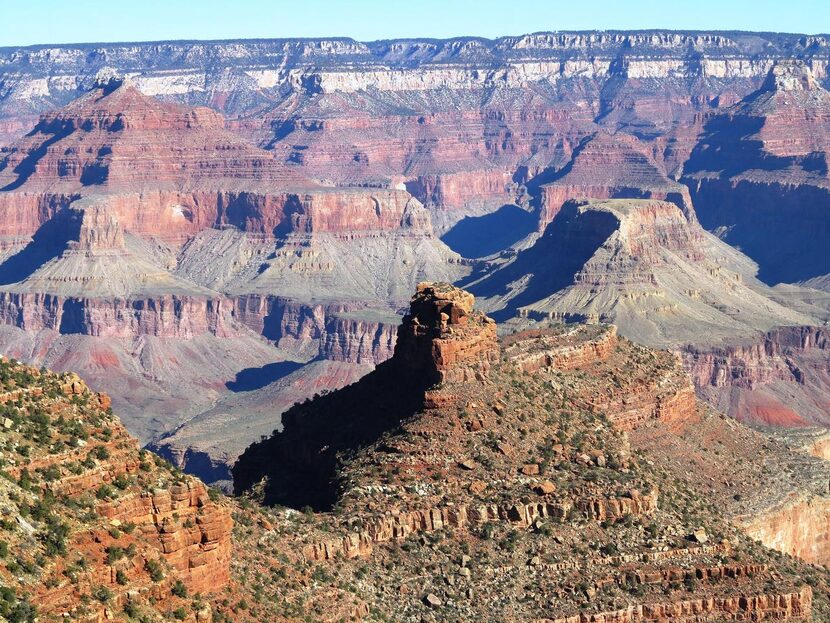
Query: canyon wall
149	536
780	379
800	528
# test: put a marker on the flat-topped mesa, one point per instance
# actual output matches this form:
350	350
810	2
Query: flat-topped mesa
444	338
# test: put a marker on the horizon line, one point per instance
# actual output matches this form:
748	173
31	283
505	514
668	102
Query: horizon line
416	38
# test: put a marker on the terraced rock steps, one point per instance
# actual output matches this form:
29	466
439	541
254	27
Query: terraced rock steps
91	525
499	484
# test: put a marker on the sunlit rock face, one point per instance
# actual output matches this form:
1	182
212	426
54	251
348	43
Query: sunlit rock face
282	199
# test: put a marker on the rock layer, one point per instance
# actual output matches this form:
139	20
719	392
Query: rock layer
508	458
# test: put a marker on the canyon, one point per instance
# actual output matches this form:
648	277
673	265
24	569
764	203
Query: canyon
491	461
460	472
213	231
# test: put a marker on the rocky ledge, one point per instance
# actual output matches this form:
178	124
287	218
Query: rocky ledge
467	468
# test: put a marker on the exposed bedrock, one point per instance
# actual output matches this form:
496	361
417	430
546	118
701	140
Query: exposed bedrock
607	166
337	331
161	316
177	215
782	379
799	527
759	174
344	331
168	521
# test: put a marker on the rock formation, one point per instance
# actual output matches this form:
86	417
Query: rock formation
90	523
130	220
609	167
489	465
641	265
759	175
780	379
140	231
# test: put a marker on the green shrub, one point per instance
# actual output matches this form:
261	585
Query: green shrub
154	569
102	594
179	589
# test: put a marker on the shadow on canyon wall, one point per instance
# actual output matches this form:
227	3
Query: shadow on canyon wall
250	379
480	236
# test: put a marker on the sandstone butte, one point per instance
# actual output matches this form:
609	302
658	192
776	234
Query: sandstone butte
556	475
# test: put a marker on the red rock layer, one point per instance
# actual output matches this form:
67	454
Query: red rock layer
665	394
176	215
443	338
778	380
401	526
171	171
563	353
192	533
454	159
115	137
611	167
345	331
788	606
162	315
173	521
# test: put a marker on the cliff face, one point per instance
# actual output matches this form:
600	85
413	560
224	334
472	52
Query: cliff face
86	513
464	440
759	174
778	380
442	338
378	112
159	316
799	528
611	167
178	191
640	264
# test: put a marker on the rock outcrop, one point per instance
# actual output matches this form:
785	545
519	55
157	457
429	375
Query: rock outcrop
490	463
114	522
641	265
780	379
759	174
443	338
611	167
180	183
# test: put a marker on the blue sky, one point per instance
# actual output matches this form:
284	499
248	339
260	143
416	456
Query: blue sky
26	22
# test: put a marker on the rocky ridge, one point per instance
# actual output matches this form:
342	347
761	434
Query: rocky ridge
92	525
496	477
